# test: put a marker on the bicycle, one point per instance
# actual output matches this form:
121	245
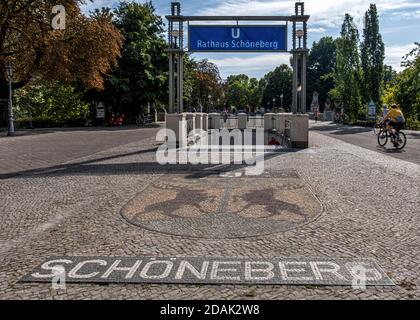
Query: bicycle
398	138
378	126
140	120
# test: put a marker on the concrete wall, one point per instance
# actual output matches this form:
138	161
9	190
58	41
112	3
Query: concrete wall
299	125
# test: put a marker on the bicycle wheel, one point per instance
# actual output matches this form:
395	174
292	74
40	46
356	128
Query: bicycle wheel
402	141
382	138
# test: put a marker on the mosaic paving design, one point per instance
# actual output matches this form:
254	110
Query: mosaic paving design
218	207
210	270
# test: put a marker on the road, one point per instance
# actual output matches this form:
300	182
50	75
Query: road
364	137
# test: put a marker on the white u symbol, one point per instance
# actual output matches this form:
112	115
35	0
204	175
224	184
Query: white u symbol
237	34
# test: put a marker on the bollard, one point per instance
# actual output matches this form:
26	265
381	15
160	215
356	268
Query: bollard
205	121
214	121
190	117
270	121
175	122
299	131
281	121
242	121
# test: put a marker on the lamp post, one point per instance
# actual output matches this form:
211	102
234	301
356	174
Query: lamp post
190	89
11	127
281	99
274	101
300	34
299	90
209	96
201	105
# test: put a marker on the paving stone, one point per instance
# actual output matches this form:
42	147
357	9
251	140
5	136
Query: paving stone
370	202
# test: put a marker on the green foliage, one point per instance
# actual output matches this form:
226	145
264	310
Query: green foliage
406	90
206	84
372	58
239	91
348	73
51	102
142	72
321	66
278	82
390	76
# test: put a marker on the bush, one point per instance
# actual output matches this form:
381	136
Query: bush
412	124
51	105
46	122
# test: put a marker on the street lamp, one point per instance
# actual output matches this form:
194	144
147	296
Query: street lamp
299	91
9	73
209	96
274	101
300	34
281	99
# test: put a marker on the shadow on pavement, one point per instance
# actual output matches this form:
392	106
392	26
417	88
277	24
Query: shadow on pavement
340	130
57	168
412	135
90	167
40	131
389	150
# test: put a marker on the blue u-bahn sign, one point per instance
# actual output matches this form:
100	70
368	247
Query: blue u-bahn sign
216	38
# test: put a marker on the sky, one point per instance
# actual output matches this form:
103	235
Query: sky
399	25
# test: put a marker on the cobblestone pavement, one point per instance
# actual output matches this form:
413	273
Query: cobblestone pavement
370	210
40	148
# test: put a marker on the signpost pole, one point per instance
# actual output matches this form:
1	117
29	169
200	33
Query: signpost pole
295	69
180	83
171	83
295	83
303	107
304	59
213	39
175	39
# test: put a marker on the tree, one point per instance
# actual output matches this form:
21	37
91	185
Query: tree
52	103
278	82
348	73
372	58
141	77
390	76
207	84
321	66
83	52
406	90
254	94
238	91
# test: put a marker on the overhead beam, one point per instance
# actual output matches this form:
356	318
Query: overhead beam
301	18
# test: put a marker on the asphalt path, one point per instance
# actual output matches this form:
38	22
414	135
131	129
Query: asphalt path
364	137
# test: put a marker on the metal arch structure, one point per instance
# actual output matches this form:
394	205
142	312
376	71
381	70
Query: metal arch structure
176	52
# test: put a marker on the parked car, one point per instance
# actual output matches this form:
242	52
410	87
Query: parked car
115	120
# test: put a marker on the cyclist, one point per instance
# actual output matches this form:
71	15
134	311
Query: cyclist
394	120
